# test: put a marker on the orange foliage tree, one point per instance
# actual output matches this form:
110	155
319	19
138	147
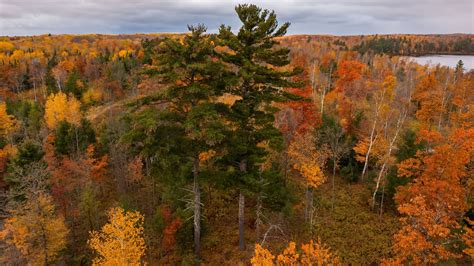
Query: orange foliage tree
433	204
428	94
349	90
309	254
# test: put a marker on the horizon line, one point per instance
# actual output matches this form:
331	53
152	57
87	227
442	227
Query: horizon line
178	33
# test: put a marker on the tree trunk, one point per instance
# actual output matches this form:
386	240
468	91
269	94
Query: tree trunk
286	168
241	221
443	103
59	85
381	201
197	223
385	167
379	179
373	137
89	218
197	211
333	183
309	204
258	220
369	149
325	90
34	89
243	169
153	191
77	139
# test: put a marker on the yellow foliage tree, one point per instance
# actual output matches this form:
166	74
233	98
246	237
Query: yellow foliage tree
307	160
36	231
60	107
121	241
17	55
8	123
309	254
6	46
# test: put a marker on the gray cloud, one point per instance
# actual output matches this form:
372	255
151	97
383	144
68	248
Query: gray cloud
29	17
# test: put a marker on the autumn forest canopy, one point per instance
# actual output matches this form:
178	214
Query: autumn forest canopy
242	146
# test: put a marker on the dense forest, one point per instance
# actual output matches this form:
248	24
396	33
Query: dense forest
404	45
241	147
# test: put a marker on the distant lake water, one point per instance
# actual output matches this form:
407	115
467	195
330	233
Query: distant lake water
445	60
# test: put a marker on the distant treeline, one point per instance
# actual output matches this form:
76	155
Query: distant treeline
404	45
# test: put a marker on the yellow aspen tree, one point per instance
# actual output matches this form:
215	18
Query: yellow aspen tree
36	231
393	116
60	107
308	162
380	101
121	240
8	123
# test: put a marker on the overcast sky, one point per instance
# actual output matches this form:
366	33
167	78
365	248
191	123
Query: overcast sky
341	17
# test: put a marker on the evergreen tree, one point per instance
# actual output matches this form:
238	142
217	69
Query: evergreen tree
62	141
70	138
147	50
26	82
29	152
255	60
459	70
72	85
27	171
192	117
30	114
49	79
85	134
